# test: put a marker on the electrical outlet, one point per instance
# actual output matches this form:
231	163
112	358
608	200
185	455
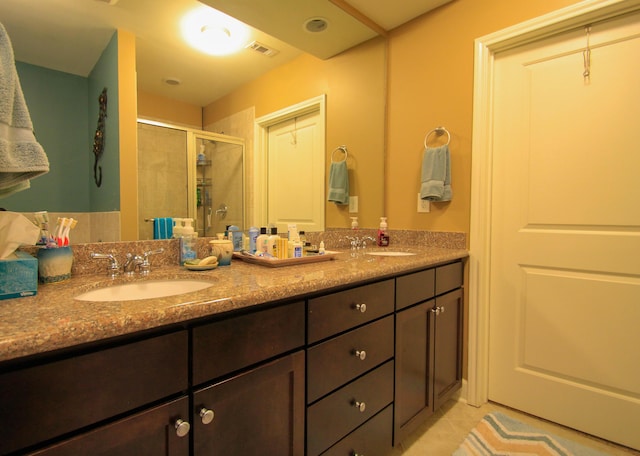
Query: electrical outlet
353	204
423	205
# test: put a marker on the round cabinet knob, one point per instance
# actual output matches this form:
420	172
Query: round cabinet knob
362	308
182	427
361	355
441	309
435	310
206	415
361	406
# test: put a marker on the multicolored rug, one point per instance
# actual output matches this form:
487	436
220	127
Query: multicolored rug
498	434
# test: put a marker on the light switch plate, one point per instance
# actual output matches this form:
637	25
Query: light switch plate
353	204
423	205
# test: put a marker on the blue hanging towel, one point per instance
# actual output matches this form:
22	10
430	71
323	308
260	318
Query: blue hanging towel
436	174
339	183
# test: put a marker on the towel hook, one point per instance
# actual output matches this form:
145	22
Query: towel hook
439	131
342	149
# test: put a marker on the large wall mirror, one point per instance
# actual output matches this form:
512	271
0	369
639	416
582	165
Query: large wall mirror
349	72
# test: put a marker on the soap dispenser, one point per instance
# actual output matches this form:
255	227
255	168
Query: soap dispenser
383	236
354	223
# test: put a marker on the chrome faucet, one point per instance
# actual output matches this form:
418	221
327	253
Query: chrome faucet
357	243
133	262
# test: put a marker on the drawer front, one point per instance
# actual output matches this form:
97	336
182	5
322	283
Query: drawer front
150	432
415	288
335	416
337	312
448	277
238	342
373	438
339	360
60	397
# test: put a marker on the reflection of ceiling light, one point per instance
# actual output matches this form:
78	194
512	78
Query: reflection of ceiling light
213	32
172	81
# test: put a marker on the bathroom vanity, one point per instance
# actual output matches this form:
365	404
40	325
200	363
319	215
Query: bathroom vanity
337	358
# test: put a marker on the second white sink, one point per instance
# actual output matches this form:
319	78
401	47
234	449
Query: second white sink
147	289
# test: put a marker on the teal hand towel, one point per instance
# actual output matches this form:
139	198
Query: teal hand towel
21	156
339	183
436	174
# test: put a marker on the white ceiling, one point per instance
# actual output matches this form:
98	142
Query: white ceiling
70	35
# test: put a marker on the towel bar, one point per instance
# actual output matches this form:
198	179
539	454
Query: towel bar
439	131
341	149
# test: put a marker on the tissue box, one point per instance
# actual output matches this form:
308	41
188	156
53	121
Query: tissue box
18	275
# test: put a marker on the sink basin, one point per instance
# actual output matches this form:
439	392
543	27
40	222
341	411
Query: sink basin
390	253
144	290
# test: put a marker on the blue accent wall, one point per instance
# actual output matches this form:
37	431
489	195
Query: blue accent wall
57	104
64	110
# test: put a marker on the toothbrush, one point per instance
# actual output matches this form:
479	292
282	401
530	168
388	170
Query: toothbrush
71	223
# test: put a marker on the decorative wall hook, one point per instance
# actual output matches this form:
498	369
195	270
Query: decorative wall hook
98	139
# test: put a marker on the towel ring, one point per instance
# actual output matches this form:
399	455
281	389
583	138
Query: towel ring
439	131
342	149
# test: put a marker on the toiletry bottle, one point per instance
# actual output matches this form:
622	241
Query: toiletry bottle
236	238
253	236
354	223
272	242
188	242
177	227
297	249
261	241
321	250
383	236
202	158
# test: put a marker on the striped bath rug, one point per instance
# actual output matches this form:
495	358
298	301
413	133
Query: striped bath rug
498	434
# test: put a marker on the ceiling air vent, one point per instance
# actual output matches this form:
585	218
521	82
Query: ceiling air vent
262	49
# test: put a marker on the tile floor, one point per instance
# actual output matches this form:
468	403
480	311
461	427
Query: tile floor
442	433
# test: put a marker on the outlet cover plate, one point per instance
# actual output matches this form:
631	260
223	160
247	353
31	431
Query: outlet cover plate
353	204
423	205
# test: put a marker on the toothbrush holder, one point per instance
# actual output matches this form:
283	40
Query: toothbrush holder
54	265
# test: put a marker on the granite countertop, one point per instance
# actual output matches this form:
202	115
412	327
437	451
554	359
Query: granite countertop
53	320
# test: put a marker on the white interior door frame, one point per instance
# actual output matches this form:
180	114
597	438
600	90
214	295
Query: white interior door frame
261	149
486	47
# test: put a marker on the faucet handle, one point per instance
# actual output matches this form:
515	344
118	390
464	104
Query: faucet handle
114	268
152	252
145	266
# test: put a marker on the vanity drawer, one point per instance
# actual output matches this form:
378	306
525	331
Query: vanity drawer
49	400
237	342
415	288
335	416
373	438
337	312
339	360
448	277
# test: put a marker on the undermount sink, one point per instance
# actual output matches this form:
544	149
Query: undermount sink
390	253
147	289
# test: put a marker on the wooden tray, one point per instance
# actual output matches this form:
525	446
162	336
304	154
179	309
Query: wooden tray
276	263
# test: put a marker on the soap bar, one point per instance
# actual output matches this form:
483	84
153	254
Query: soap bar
18	276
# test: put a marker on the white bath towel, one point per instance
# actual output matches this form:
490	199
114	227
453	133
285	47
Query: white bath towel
21	157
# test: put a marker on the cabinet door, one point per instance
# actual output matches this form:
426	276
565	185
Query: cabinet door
259	412
149	433
448	346
414	363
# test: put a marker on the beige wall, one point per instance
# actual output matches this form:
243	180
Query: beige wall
430	83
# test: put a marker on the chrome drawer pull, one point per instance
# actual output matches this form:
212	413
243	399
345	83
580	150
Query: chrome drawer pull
361	406
361	307
361	354
206	415
182	427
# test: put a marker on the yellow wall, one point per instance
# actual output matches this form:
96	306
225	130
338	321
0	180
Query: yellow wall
430	83
166	110
128	136
355	86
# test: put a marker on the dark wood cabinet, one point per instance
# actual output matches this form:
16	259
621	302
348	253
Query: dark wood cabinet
258	412
428	348
149	433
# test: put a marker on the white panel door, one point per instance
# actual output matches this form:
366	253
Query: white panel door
296	174
565	243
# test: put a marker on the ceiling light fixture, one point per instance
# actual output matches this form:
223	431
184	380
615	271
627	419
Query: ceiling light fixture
316	24
213	32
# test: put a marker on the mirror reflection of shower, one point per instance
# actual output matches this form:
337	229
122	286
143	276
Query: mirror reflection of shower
189	174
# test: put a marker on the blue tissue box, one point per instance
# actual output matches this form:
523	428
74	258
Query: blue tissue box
18	276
